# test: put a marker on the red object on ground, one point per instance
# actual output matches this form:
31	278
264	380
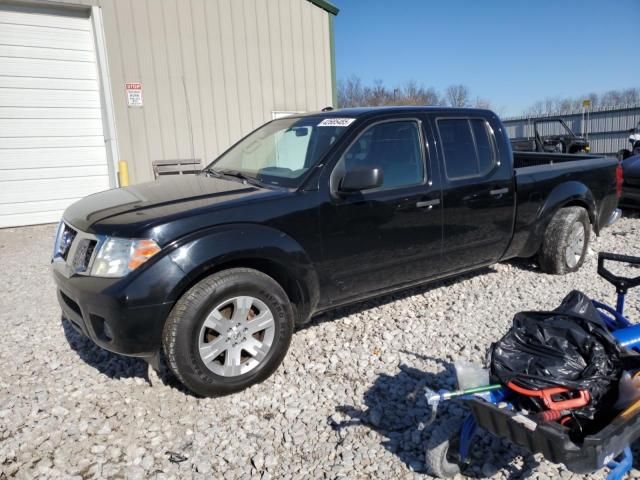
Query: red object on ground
547	394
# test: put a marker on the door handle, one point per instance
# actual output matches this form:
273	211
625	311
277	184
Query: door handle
499	191
428	203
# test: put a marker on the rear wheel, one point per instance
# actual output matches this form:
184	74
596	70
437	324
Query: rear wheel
566	240
231	330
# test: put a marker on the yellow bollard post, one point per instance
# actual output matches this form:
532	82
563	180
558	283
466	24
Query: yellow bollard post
123	174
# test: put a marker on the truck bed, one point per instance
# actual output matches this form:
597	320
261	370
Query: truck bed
532	159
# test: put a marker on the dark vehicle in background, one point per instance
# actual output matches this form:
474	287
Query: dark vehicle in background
561	140
631	185
634	144
308	213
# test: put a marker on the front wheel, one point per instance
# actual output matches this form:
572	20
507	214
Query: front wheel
566	240
228	332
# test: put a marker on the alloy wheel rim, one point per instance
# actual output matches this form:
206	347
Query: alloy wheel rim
236	336
575	246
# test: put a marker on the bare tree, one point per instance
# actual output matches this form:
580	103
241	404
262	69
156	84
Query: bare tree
457	96
611	99
565	105
550	105
352	93
377	94
412	94
482	103
432	97
537	108
630	96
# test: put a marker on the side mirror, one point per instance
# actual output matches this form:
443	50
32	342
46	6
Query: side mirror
363	178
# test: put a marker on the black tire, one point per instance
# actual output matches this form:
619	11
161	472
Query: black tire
442	449
555	254
184	327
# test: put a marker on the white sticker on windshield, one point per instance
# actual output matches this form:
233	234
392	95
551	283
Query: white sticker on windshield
336	122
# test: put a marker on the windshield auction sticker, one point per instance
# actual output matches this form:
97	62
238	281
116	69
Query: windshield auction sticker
336	122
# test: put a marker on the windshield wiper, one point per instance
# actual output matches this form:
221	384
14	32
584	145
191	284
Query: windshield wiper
241	176
212	171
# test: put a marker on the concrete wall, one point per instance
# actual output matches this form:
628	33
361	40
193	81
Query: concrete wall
211	71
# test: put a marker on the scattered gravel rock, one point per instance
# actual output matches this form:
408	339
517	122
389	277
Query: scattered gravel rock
346	403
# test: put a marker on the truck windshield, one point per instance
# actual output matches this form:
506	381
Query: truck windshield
282	151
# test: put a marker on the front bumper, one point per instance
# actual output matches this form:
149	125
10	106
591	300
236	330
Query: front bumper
100	308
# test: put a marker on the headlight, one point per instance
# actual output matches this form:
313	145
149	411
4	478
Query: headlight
119	256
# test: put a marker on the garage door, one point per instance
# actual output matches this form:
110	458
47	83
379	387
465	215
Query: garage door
52	149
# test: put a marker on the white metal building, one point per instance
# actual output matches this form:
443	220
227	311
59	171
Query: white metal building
86	83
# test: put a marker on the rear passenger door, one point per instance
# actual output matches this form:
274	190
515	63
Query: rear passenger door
477	190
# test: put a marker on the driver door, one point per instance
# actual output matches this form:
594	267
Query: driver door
388	236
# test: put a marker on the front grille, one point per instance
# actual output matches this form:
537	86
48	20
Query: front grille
83	254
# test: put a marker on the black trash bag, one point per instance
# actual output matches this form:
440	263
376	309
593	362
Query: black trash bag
568	347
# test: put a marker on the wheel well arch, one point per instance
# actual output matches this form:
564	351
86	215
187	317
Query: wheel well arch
583	204
290	284
568	194
557	200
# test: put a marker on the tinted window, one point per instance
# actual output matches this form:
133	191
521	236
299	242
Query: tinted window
392	146
457	145
468	150
483	144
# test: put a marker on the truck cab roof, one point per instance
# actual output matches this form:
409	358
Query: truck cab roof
358	112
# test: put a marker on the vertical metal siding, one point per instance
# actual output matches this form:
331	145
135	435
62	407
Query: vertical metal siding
211	71
607	129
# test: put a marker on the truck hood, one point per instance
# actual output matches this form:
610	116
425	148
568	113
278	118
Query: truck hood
161	200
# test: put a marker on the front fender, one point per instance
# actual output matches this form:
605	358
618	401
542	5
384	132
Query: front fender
208	250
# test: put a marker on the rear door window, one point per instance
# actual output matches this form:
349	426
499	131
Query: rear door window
467	147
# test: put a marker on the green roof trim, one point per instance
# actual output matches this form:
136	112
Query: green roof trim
332	53
328	6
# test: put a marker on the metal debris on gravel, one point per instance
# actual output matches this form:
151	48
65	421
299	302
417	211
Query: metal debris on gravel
345	403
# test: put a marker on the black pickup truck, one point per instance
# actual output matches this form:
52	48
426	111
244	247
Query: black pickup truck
308	213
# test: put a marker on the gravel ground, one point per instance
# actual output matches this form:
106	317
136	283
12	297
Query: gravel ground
343	404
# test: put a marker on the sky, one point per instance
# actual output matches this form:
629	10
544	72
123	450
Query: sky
510	52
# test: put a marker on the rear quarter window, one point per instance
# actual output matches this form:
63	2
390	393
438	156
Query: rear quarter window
468	148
